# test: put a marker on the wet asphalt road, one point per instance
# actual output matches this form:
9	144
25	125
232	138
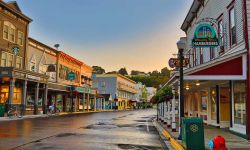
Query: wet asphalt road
91	131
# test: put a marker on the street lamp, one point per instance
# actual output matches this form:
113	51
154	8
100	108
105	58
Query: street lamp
181	46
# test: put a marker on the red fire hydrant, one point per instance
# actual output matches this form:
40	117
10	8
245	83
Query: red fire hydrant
218	143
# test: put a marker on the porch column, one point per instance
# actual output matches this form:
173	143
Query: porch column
83	102
111	105
45	98
161	112
65	103
88	102
95	103
101	104
11	93
218	104
169	115
165	113
173	112
104	103
24	94
36	98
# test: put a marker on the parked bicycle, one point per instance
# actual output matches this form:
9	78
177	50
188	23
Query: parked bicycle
13	112
52	110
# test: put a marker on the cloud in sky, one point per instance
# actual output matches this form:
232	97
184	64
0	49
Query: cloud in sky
136	34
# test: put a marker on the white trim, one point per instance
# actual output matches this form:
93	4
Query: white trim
222	77
215	77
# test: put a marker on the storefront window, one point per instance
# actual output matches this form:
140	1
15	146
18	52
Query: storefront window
59	102
17	96
213	103
4	92
239	89
204	98
30	100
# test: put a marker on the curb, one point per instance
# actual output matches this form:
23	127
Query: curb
52	115
174	143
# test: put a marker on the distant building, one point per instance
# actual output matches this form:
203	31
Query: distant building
121	88
151	91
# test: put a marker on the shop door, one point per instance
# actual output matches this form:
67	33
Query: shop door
224	106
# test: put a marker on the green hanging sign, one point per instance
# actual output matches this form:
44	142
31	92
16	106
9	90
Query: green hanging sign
205	36
71	76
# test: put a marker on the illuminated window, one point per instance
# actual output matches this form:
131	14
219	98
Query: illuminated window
19	62
10	60
4	59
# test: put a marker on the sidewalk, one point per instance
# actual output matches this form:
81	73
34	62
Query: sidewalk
46	115
233	142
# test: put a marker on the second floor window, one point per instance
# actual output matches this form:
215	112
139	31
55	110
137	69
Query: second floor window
201	55
232	27
221	35
212	54
9	31
20	38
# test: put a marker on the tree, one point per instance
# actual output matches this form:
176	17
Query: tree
98	70
162	95
165	72
136	72
123	71
155	73
112	72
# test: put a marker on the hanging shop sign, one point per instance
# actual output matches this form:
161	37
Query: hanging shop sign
71	76
15	50
205	36
175	62
171	62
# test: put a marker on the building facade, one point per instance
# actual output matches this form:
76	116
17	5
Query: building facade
15	78
121	88
216	81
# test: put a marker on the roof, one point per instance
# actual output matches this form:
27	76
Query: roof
15	9
14	5
42	44
191	14
70	58
115	76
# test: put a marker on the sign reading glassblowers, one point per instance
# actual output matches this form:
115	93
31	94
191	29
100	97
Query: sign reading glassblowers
205	36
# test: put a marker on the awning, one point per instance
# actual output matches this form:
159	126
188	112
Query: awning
229	69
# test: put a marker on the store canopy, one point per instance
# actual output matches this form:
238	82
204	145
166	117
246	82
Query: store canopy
229	69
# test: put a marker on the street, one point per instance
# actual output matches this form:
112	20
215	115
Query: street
90	131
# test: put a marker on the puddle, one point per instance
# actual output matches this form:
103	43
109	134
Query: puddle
141	120
100	125
137	147
66	134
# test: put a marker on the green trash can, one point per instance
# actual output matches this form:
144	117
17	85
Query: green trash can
2	110
193	134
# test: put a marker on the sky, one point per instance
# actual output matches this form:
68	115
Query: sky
136	34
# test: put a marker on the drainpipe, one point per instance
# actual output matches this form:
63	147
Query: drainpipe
245	28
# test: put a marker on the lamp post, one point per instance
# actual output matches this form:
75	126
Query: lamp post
181	45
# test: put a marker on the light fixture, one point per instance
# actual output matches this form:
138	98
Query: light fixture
187	88
197	84
181	44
